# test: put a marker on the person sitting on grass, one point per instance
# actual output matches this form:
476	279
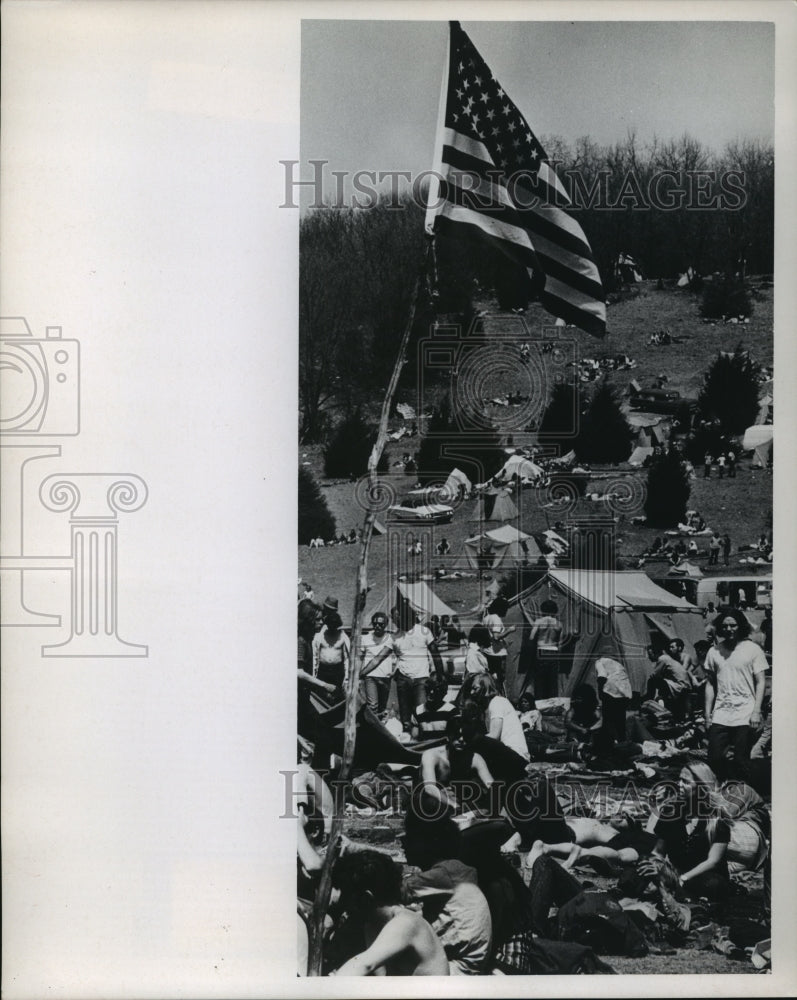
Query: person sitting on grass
399	942
583	719
670	682
530	715
700	857
479	642
457	911
432	718
500	716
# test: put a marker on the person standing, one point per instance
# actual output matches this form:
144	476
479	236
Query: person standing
331	651
721	465
377	680
726	548
766	630
714	545
413	646
545	636
614	689
735	681
707	466
731	462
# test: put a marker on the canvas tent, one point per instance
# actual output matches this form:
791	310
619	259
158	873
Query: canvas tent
638	456
456	483
500	548
758	439
494	505
420	596
651	428
520	466
603	614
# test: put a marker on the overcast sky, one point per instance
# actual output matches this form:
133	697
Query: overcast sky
370	89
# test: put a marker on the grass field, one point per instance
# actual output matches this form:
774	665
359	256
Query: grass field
740	506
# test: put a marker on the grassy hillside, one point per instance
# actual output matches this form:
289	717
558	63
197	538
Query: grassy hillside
739	506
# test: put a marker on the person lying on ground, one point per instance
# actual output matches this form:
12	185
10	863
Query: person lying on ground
399	942
615	844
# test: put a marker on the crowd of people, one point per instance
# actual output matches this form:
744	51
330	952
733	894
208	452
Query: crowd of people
497	876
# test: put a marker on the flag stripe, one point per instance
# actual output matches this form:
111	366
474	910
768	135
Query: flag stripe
547	221
534	191
472	226
494	181
568	262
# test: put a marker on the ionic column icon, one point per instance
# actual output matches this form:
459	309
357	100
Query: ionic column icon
94	500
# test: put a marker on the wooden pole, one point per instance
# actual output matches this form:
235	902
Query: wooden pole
321	902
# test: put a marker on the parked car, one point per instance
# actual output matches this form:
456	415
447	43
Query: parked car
433	513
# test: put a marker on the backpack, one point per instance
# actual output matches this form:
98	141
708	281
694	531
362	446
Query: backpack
598	921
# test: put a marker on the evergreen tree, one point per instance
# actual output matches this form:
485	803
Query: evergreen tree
604	435
448	445
730	391
668	491
560	419
725	297
349	448
315	520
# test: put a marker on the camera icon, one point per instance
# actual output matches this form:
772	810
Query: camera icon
40	381
498	380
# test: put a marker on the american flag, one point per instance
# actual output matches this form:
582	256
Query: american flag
492	180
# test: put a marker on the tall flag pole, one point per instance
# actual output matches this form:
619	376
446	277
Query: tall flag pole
494	182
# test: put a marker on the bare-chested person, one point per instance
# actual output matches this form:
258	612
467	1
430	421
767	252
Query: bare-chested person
399	942
619	842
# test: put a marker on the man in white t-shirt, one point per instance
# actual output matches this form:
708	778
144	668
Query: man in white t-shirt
614	688
377	679
413	647
735	680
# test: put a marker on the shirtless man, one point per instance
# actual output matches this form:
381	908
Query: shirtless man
399	942
616	843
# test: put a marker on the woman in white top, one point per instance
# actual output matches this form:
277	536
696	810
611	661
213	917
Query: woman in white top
500	716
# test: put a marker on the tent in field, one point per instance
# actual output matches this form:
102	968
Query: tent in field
520	466
419	595
638	456
500	548
457	484
758	439
495	505
614	614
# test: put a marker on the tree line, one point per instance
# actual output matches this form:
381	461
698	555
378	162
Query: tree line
358	266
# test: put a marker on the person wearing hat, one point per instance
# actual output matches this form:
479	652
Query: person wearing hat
329	607
331	650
